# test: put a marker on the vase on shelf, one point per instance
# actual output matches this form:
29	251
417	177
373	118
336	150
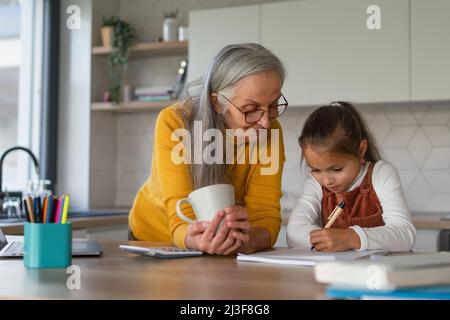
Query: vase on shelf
170	26
170	29
106	36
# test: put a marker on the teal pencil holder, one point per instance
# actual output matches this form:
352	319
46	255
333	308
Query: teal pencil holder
47	245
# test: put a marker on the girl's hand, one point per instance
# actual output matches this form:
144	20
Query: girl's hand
202	236
335	239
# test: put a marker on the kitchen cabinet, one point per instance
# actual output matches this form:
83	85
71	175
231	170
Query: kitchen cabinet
430	50
330	53
211	30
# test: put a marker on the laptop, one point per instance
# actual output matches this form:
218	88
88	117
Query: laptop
80	247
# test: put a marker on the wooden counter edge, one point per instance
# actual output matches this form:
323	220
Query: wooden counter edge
77	223
420	222
436	223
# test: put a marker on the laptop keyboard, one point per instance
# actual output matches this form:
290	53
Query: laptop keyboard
15	249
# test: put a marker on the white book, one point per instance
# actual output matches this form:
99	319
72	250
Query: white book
387	273
302	257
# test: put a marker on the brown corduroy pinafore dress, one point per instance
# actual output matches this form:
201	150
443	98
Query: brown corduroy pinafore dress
362	206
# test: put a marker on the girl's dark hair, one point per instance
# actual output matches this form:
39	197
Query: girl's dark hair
338	128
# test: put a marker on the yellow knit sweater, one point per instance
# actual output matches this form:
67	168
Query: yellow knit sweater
153	216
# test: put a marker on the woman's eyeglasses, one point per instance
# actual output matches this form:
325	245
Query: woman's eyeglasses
253	112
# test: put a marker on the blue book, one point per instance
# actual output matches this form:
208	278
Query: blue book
437	292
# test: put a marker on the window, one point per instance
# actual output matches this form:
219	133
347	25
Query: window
21	26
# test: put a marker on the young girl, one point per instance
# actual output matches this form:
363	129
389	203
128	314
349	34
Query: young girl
346	167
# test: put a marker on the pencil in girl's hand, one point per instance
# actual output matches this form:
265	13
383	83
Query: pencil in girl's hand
334	215
340	204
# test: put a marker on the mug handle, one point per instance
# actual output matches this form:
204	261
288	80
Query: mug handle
180	213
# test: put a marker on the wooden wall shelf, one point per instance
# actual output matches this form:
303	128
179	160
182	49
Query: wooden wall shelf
146	49
132	106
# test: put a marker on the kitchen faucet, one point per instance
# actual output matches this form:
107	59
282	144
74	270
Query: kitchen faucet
36	162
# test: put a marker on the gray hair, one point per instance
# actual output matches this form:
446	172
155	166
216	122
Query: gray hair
231	64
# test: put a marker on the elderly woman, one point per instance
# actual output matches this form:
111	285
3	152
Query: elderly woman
240	90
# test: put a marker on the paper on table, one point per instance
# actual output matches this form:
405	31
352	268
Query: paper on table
302	257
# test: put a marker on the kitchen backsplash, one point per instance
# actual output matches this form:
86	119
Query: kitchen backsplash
414	138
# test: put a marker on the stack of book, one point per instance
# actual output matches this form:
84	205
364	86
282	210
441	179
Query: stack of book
163	93
414	276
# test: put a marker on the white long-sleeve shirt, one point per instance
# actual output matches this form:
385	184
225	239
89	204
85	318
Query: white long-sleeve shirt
398	233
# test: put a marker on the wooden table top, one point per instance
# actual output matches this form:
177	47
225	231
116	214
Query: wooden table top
120	275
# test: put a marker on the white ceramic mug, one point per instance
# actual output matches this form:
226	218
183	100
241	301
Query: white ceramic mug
207	201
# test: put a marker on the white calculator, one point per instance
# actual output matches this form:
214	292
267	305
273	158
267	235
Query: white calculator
162	252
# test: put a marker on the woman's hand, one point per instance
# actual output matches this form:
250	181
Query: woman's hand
236	218
335	239
202	236
252	238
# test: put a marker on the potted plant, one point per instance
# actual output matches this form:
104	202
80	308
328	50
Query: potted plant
106	32
121	38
